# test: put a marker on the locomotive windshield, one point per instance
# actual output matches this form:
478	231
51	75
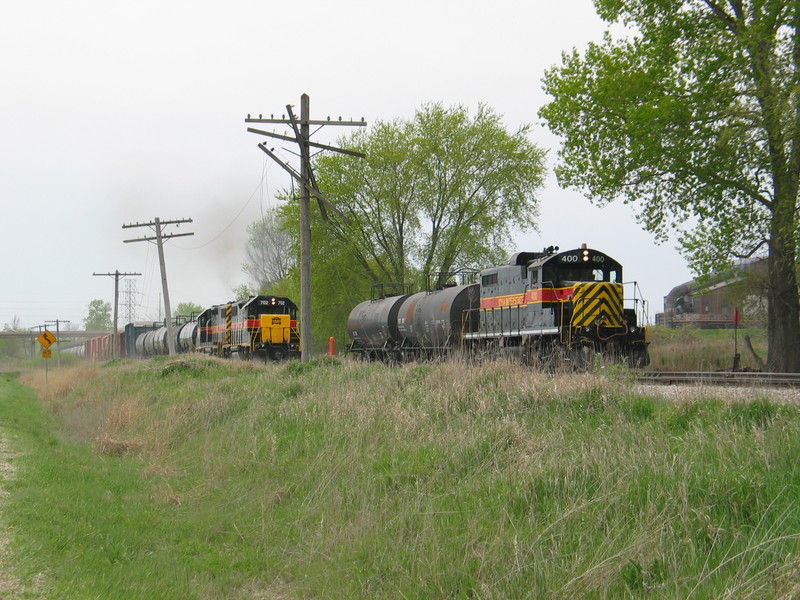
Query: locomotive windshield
587	273
579	266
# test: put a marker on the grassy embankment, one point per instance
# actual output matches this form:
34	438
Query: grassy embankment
208	479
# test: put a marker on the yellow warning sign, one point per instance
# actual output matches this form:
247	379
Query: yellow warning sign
47	339
47	353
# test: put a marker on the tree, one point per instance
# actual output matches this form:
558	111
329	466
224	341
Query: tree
435	194
695	118
98	317
438	193
12	348
14	325
188	309
242	292
268	250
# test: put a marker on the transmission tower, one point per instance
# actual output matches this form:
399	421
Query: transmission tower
130	300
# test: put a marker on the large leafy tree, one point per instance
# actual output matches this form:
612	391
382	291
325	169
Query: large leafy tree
694	117
98	317
435	194
438	193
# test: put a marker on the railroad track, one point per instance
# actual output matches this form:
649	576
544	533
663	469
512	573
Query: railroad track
739	378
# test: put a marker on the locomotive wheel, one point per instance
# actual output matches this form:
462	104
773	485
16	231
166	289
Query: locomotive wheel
548	356
582	358
638	358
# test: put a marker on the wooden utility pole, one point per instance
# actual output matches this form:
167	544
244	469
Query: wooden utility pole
57	323
156	225
116	275
308	186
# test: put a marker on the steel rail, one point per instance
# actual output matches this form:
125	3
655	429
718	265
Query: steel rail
741	378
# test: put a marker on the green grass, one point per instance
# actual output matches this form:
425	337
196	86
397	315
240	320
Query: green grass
204	479
689	349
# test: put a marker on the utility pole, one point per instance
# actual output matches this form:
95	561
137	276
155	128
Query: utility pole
57	323
156	225
116	275
308	186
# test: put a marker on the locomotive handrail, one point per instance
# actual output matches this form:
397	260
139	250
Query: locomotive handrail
645	320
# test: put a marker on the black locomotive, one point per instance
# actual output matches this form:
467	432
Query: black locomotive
263	327
545	306
260	326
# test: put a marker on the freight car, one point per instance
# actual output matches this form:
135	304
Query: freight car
258	327
550	306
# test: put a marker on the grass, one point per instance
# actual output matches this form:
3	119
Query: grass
208	479
689	349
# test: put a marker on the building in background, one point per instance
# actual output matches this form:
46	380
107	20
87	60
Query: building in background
711	303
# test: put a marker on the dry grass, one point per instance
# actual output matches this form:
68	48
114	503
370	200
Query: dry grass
689	349
345	479
59	383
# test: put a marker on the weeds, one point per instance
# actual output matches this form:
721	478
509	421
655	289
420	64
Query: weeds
350	480
689	349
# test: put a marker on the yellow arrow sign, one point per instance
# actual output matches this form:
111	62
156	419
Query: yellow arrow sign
47	339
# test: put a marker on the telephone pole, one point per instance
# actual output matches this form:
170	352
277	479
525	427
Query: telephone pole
57	323
159	237
308	186
116	275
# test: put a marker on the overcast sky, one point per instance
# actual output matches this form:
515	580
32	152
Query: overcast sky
119	112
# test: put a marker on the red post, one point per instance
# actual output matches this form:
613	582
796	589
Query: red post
331	347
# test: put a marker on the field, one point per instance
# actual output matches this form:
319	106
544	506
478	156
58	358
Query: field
204	479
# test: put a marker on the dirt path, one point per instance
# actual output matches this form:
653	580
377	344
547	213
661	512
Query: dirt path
10	587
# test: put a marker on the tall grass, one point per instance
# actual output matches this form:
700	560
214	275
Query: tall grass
209	479
689	349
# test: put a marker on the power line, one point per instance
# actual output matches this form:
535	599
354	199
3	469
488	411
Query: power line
308	187
116	275
159	237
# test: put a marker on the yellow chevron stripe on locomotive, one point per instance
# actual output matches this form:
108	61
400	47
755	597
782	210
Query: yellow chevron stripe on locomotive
597	303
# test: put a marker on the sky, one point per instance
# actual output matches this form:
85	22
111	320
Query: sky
117	112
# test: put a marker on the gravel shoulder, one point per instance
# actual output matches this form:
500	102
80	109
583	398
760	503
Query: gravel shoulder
686	393
10	587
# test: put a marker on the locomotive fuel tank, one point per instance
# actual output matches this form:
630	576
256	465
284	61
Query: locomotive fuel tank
373	323
438	319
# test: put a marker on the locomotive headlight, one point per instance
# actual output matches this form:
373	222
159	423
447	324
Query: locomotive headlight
585	256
